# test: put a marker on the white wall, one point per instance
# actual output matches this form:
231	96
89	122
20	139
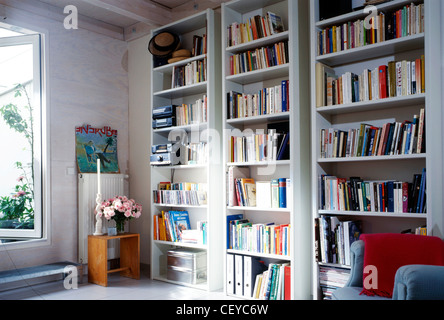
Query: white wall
88	83
139	62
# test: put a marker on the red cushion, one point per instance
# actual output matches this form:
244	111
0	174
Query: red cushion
389	252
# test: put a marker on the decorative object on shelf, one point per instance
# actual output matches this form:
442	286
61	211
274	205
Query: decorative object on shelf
161	46
98	210
179	55
164	44
120	209
112	231
94	144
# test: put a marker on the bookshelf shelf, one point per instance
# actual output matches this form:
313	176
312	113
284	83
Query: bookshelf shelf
261	255
182	206
375	171
260	75
194	89
372	105
168	68
198	181
374	158
259	164
260	119
258	43
181	244
187	128
381	49
259	209
295	164
374	214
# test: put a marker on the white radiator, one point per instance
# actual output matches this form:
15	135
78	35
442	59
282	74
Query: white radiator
111	185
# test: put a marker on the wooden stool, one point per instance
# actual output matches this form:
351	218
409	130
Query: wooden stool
98	257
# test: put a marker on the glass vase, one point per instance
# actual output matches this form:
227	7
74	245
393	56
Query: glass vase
120	226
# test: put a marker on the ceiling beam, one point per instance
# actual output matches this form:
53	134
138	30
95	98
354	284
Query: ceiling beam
28	10
146	12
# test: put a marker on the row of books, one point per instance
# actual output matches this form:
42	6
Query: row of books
199	45
195	113
403	22
251	278
333	239
397	79
266	101
397	138
195	153
186	193
332	278
174	226
259	147
254	28
274	283
246	192
338	194
266	238
260	58
189	74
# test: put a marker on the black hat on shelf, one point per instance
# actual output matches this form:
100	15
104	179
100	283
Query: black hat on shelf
163	44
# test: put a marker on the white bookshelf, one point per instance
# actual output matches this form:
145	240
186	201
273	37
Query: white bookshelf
346	116
206	22
295	18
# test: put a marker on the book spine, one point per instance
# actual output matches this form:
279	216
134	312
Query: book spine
282	193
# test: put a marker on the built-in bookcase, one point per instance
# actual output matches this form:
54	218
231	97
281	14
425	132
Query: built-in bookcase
334	117
265	91
203	132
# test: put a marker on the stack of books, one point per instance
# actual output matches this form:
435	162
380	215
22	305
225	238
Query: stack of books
192	73
199	45
251	278
397	79
264	238
354	34
246	192
397	138
331	279
259	146
274	283
338	194
254	28
187	193
174	226
266	101
260	58
196	113
333	239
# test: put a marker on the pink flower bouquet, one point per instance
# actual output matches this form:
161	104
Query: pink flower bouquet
120	209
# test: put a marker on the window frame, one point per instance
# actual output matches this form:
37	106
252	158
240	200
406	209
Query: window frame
40	141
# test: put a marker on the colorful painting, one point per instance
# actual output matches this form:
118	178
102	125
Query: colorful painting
93	144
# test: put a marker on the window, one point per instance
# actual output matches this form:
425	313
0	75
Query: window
20	135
